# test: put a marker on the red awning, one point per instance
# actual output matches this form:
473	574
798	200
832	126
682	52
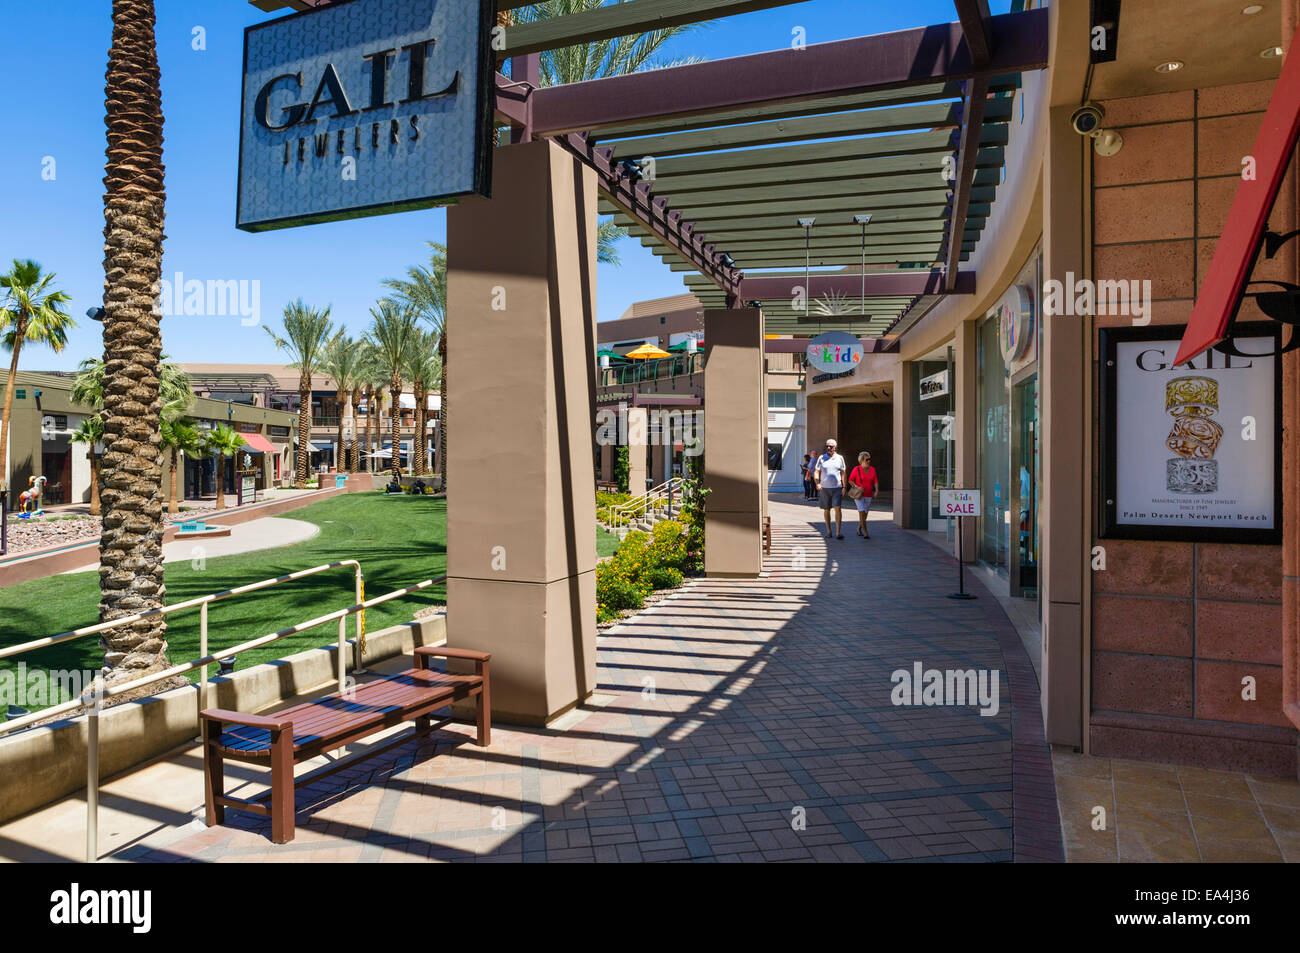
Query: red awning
256	443
1239	243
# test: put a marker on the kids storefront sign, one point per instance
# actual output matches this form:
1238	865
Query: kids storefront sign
365	107
835	351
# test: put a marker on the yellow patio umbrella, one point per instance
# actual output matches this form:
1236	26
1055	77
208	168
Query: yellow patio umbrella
645	352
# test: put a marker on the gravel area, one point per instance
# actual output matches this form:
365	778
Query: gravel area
26	536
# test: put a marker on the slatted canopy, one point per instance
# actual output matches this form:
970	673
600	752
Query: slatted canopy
713	164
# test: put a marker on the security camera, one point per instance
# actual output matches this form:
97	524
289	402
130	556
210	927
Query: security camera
1086	120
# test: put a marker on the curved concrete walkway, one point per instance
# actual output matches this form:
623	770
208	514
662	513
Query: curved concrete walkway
735	720
265	533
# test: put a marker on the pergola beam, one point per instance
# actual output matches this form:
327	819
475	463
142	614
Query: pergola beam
974	18
763	287
976	97
623	19
844	67
929	116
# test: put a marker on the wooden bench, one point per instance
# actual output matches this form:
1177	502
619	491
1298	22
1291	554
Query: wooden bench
286	738
767	536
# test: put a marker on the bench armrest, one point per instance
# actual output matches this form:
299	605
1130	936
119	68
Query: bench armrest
249	721
424	652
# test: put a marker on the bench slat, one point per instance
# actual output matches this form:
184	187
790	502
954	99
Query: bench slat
317	723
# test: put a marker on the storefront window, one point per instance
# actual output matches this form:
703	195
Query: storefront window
994	408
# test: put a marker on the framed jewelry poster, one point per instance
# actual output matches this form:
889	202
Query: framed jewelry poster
1191	451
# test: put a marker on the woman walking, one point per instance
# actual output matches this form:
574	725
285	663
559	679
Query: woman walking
805	471
863	485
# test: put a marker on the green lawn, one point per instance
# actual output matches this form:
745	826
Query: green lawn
606	542
399	540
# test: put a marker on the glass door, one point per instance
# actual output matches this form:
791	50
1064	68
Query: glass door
942	466
1026	458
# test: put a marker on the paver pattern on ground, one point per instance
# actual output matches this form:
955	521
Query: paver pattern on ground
736	720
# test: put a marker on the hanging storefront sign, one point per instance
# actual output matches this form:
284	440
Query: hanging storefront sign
1015	317
1191	451
936	385
835	351
365	107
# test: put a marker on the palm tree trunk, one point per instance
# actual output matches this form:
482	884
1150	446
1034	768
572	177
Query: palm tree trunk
417	441
395	418
94	483
304	433
221	481
339	450
20	329
130	549
442	411
173	505
354	461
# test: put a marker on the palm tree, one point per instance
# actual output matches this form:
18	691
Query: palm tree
29	311
181	436
307	332
131	569
88	386
224	442
91	432
425	290
343	363
354	462
391	332
174	390
422	366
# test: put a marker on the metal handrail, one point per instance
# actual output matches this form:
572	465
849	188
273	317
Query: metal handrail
90	701
642	503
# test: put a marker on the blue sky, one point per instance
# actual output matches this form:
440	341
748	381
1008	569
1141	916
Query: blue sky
59	221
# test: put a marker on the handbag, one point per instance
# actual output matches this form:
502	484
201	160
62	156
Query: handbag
855	491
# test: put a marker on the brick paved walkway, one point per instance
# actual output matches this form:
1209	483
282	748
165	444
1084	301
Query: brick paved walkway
735	720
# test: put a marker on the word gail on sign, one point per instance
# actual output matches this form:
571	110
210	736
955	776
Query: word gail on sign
363	108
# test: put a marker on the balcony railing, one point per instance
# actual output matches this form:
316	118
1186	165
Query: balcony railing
663	368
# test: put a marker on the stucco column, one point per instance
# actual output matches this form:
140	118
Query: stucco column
638	425
657	460
607	463
734	442
521	554
1065	366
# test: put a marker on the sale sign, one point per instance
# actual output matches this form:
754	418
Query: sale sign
959	502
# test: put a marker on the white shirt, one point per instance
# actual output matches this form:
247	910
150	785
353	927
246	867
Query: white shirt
831	466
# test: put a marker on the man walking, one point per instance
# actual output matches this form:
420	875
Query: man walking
829	476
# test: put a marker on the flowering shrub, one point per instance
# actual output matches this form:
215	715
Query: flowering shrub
644	562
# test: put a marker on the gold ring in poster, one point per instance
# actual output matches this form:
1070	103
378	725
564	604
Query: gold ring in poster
1194	437
1192	397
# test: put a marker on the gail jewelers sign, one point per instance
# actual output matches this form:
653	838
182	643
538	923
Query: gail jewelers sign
1192	449
364	107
